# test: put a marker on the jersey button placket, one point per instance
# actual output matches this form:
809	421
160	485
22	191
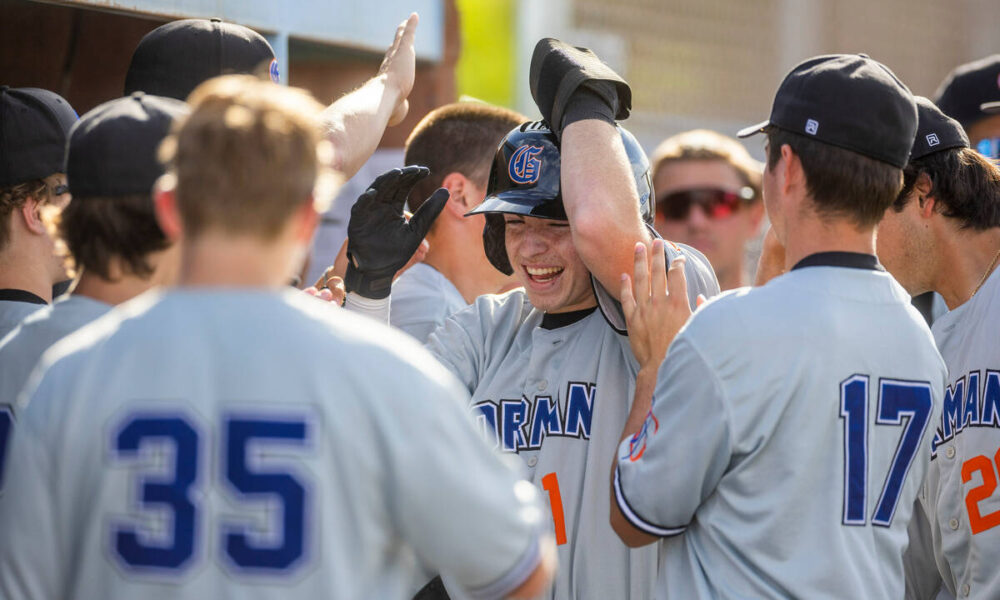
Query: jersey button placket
950	452
953	523
965	589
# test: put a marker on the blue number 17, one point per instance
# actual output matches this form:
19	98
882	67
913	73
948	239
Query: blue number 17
897	400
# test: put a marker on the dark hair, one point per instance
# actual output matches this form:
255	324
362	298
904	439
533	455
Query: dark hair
965	186
457	138
12	198
97	229
841	183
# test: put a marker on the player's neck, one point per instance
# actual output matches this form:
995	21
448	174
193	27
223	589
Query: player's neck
114	290
216	259
732	278
18	272
808	236
963	260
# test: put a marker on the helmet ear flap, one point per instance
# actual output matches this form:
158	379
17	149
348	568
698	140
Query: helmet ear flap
494	243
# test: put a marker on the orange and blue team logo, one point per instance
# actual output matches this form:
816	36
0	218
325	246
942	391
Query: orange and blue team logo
525	166
637	445
273	71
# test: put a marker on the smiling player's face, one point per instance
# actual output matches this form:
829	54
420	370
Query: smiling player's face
545	262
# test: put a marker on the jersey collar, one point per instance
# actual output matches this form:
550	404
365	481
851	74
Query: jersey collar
11	295
555	321
849	260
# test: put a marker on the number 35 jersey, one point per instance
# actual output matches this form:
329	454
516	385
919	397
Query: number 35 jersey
960	499
240	444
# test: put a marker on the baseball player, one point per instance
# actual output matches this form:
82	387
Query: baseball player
234	438
549	366
966	94
943	233
457	143
35	124
108	227
783	439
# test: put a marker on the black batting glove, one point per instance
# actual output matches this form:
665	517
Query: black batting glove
380	240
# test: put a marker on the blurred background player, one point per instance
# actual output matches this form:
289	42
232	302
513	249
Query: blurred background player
961	96
34	125
240	364
177	56
943	234
457	143
109	230
708	196
819	445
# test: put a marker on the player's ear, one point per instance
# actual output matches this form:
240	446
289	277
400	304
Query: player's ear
31	212
165	206
458	187
923	187
791	172
306	219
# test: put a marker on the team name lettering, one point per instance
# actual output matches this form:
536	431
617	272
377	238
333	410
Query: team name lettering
522	424
970	401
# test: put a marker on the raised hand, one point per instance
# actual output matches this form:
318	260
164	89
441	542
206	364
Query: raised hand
380	239
655	303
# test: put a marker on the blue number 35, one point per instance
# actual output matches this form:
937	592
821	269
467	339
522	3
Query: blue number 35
179	490
896	400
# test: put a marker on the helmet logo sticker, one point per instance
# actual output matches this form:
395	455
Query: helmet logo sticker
273	71
525	166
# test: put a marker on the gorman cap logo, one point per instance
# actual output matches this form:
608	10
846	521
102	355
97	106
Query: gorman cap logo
525	166
932	140
273	71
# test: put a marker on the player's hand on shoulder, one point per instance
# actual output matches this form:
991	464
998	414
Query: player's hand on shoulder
655	302
381	241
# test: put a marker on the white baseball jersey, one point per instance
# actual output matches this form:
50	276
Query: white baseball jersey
13	311
422	298
787	440
559	398
253	444
957	524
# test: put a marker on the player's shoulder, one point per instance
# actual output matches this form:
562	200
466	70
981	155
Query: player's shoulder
698	272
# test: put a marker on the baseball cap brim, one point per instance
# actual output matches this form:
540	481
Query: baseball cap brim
990	107
753	129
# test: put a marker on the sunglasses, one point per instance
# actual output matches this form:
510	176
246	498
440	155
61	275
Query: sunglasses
59	190
717	203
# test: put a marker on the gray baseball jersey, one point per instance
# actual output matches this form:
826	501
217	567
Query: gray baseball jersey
12	312
240	444
957	525
422	298
559	398
21	349
787	440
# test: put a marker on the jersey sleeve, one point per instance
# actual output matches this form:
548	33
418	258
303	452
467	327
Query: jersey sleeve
30	560
467	513
675	461
458	344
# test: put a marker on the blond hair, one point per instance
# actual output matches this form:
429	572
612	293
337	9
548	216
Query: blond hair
705	144
247	156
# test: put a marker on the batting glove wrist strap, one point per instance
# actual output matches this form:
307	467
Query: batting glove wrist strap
380	239
558	71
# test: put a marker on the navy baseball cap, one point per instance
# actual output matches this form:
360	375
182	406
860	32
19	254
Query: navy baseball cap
849	101
964	91
112	149
34	124
936	131
177	57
